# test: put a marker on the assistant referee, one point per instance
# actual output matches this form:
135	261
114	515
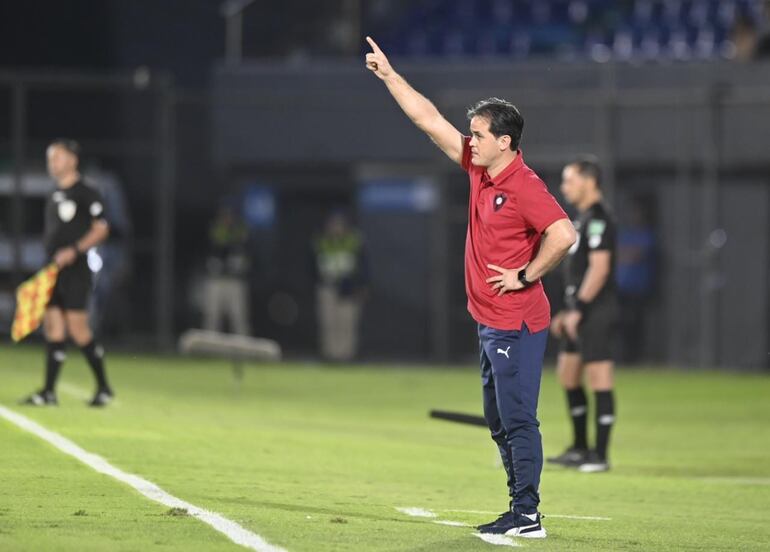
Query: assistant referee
74	223
587	326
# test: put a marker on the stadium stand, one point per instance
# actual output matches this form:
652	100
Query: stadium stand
582	29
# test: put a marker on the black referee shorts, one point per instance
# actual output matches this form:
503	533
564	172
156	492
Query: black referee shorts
73	287
597	334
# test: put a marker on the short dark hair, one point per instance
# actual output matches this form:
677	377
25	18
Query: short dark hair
504	118
588	166
68	144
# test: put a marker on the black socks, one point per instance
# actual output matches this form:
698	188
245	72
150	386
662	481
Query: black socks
578	411
56	352
95	356
605	417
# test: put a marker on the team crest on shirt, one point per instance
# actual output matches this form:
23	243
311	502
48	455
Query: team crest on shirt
67	210
500	200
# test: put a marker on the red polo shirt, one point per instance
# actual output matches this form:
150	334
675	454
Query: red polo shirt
506	218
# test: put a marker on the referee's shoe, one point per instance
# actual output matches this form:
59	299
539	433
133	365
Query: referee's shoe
516	525
572	457
41	398
103	397
594	463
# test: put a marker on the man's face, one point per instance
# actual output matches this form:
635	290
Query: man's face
60	161
485	147
573	184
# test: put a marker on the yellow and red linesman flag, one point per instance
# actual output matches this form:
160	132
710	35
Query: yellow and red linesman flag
32	298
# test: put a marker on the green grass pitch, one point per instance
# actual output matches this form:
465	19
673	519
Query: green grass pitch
317	458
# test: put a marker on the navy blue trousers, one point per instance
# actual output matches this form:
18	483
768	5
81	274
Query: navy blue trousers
511	368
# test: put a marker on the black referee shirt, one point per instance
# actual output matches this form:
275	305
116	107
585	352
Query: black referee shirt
596	231
69	214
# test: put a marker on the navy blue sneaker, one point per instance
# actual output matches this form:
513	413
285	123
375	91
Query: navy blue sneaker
505	517
518	525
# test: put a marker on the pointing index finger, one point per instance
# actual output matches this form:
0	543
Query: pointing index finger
373	44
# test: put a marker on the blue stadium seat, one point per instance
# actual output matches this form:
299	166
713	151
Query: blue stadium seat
594	29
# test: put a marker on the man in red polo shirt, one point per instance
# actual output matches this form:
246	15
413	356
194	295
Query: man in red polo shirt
516	233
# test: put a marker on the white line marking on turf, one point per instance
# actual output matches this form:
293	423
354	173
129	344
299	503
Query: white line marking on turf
481	512
417	512
233	531
451	523
586	518
499	540
422	513
546	515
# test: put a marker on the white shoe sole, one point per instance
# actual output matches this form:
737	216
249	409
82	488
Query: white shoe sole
539	534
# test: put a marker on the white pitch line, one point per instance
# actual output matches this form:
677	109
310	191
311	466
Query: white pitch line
452	523
546	515
417	512
232	530
481	512
428	515
586	518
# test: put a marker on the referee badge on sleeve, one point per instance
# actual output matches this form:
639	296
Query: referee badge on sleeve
595	232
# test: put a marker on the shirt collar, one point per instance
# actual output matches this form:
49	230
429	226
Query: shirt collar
512	167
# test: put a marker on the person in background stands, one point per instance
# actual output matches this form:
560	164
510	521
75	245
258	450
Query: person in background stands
341	274
226	289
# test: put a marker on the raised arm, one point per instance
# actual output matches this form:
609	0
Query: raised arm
416	106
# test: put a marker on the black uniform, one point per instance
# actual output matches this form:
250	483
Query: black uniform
596	230
69	214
